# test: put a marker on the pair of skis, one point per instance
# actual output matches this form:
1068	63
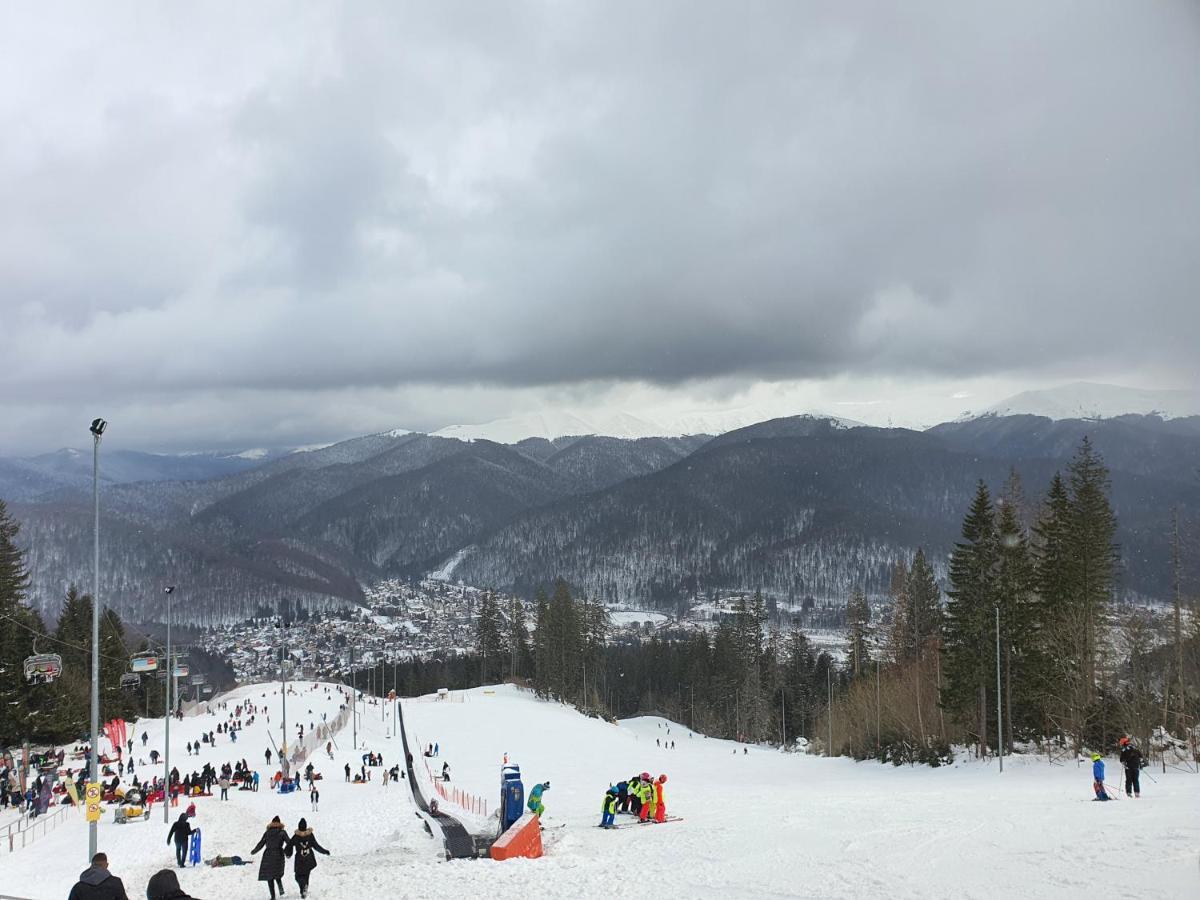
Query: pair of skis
647	822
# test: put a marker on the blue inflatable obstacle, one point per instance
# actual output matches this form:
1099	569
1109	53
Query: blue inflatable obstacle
286	786
194	848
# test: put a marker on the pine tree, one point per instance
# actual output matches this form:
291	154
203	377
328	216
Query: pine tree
543	663
900	635
1015	582
518	639
924	601
489	641
858	631
966	646
1094	550
18	625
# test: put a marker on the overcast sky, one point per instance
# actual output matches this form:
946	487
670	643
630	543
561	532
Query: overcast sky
270	223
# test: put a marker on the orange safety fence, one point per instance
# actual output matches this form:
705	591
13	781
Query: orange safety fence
472	803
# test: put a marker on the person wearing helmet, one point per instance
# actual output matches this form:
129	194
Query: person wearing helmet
647	799
660	802
1131	759
535	798
1098	777
608	808
635	796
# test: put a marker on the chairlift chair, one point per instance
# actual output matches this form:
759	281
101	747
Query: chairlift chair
131	681
143	662
42	668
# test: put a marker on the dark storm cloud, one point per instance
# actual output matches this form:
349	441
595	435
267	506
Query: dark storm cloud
328	199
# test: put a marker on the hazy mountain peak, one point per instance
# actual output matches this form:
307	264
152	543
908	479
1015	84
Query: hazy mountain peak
1087	400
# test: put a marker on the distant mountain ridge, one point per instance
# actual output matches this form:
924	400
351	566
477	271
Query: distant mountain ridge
1086	400
797	506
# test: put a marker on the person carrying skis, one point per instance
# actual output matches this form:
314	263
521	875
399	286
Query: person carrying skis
276	842
608	808
660	801
180	832
1131	759
535	798
304	842
1098	777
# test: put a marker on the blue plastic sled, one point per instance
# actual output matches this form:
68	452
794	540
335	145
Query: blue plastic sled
194	849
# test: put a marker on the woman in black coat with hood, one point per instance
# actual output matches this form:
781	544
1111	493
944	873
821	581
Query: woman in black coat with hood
165	886
304	842
276	842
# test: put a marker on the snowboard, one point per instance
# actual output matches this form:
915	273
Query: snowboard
194	849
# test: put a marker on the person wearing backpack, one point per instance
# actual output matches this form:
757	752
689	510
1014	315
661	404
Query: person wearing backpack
305	846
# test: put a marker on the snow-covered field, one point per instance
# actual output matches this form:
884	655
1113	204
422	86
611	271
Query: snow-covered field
755	824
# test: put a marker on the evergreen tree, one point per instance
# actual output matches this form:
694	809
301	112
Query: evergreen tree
1019	625
18	626
489	639
858	632
924	599
1093	550
966	645
518	639
543	664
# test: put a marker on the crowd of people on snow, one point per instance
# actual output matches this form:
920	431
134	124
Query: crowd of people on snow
1132	763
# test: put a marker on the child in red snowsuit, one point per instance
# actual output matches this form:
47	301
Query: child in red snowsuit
660	806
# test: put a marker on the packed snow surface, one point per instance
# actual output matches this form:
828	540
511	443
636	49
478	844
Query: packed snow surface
755	824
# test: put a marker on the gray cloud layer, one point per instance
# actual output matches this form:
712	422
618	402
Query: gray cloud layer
284	211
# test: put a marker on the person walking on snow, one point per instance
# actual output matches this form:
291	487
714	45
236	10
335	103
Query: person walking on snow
180	832
304	842
608	808
660	801
1098	777
276	842
97	883
1131	759
535	798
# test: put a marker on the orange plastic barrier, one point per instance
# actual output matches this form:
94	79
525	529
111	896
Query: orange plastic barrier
523	838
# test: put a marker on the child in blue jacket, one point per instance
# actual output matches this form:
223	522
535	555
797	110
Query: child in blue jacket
1098	777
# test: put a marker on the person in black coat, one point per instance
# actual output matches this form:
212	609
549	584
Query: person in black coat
276	842
304	843
97	883
165	886
180	832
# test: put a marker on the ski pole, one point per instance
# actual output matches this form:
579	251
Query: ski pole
1109	788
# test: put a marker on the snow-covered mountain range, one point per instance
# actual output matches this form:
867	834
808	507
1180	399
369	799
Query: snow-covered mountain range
1086	400
551	424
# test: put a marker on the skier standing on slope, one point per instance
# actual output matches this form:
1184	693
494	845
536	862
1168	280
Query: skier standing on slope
276	842
304	842
608	808
1098	777
535	798
648	794
660	801
180	832
1131	759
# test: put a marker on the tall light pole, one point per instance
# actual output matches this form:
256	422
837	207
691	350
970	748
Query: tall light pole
97	429
999	697
283	626
170	671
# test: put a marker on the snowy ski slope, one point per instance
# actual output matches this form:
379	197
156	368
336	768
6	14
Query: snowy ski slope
756	824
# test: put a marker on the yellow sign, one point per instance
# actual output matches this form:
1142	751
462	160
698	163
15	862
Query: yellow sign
92	795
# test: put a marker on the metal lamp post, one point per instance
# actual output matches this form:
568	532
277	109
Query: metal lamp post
170	672
999	696
97	429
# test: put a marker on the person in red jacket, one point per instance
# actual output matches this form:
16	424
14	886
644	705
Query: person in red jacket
660	808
